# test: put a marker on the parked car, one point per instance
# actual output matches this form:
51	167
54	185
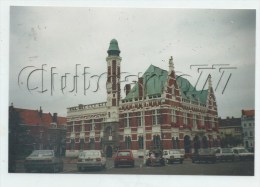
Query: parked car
225	154
90	159
204	155
173	155
242	154
43	160
157	159
124	158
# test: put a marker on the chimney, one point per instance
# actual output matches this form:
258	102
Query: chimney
140	87
40	111
127	88
54	118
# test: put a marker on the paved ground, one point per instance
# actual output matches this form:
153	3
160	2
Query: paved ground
238	168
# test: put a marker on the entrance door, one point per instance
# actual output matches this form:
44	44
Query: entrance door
196	141
187	144
109	151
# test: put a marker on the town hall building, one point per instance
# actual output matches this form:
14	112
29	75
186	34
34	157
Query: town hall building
161	110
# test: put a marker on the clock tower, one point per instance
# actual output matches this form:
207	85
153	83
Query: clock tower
113	80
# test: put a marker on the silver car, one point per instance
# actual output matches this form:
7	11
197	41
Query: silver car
43	160
91	159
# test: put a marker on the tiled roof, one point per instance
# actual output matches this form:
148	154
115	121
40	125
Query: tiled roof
248	113
230	122
155	80
61	120
35	117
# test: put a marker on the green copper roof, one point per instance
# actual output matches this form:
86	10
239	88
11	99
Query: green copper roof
155	79
113	47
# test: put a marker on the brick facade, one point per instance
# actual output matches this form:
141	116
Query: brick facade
167	115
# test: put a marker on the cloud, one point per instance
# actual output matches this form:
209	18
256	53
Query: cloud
62	37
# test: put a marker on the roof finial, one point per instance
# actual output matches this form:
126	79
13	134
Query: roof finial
209	81
171	65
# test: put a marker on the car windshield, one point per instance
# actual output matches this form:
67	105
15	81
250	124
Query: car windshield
226	150
174	152
205	151
123	153
89	154
242	151
41	153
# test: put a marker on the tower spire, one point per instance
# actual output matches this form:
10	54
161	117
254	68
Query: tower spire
209	81
171	65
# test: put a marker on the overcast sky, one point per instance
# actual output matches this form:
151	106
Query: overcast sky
64	37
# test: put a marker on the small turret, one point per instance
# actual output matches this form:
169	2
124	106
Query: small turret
171	65
209	81
113	49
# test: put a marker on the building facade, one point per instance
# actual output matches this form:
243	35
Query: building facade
248	128
32	129
161	110
231	132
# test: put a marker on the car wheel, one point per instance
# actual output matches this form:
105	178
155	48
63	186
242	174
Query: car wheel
115	166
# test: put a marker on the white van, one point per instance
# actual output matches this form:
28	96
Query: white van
242	153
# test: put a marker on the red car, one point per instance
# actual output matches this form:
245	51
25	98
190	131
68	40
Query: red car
124	158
